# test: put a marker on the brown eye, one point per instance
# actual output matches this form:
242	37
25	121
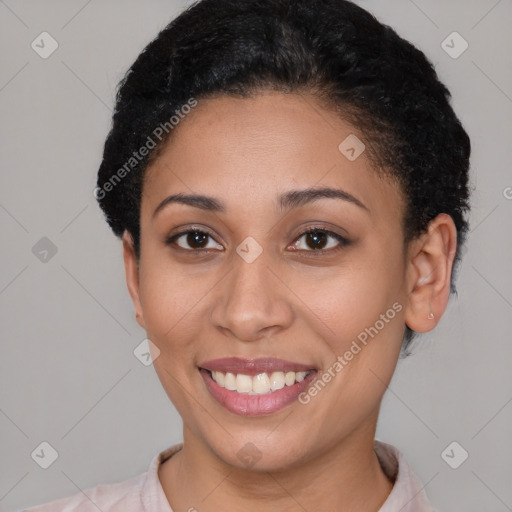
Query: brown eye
316	240
194	240
197	239
320	240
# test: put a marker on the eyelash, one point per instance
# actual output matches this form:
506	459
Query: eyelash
318	252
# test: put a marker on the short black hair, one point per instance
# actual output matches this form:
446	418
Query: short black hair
383	85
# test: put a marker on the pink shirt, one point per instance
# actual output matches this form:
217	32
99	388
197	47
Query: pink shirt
144	493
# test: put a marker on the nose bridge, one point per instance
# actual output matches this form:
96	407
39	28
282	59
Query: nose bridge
251	300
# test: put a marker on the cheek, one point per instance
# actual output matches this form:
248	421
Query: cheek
352	298
169	300
363	309
368	313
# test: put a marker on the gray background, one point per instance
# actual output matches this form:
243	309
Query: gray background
68	375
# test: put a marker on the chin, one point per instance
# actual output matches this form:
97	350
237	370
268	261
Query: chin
258	453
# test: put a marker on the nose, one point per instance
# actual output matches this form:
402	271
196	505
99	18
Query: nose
252	302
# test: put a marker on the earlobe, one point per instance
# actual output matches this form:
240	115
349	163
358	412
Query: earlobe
132	276
429	270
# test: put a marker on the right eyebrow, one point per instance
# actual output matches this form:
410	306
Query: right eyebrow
196	200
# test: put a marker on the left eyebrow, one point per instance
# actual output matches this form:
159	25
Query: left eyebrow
296	198
288	200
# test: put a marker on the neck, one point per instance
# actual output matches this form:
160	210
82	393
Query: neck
346	476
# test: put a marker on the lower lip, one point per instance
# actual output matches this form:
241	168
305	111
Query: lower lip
255	405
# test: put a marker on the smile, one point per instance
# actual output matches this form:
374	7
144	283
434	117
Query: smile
255	387
260	384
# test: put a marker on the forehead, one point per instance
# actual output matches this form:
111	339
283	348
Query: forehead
261	146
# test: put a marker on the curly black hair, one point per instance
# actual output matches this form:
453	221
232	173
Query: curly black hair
334	49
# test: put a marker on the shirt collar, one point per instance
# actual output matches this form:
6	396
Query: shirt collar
407	495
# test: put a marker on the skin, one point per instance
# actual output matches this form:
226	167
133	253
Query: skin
288	303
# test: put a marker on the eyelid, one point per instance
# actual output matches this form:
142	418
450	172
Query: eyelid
171	239
343	241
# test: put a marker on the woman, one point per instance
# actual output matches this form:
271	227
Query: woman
290	184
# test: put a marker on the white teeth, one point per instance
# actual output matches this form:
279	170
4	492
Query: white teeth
219	378
277	380
299	376
243	383
289	378
230	381
260	384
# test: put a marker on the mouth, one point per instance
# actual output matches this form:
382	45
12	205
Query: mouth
255	387
259	384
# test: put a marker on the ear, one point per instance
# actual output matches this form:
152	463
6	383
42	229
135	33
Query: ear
131	268
429	269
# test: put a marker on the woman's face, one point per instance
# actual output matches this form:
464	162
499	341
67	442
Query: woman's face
252	285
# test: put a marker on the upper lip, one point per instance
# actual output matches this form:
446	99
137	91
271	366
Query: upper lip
254	366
